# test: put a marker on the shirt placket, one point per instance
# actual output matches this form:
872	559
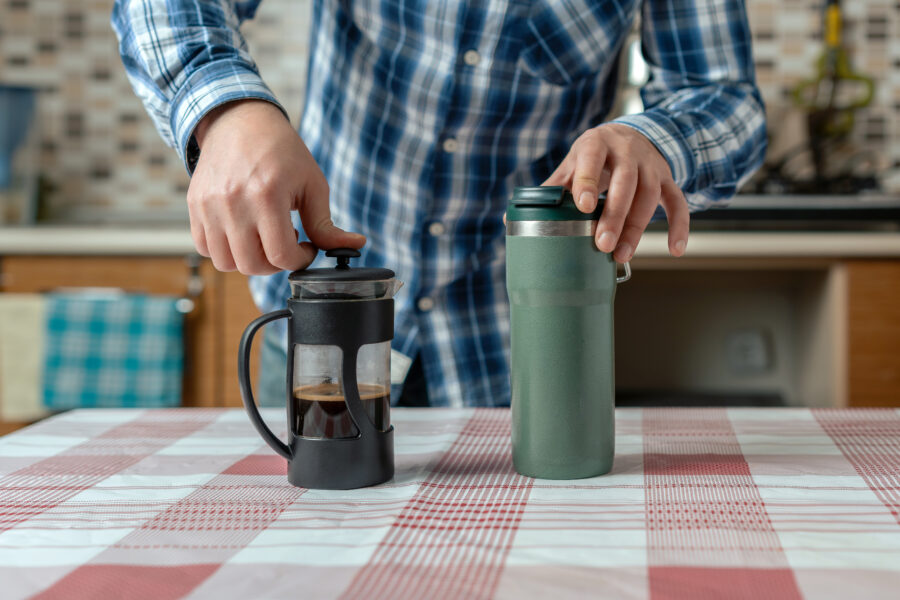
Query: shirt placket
446	245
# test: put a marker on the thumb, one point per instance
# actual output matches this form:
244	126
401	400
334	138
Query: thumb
315	215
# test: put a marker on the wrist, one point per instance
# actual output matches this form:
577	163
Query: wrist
235	111
665	134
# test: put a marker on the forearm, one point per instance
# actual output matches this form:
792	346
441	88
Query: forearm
713	136
704	111
184	58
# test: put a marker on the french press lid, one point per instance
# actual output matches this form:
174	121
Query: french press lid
343	282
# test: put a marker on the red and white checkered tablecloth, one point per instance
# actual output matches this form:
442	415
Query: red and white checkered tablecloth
701	503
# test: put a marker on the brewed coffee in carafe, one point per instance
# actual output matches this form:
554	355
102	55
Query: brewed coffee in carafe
319	408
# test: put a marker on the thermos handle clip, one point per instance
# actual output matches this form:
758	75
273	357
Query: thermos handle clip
246	387
627	275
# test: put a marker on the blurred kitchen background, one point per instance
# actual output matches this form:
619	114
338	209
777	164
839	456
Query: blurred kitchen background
787	297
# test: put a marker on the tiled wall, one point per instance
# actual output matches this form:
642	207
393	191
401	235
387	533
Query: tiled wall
99	149
104	158
787	43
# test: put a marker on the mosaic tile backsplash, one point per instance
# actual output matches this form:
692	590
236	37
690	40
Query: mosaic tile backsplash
99	150
104	160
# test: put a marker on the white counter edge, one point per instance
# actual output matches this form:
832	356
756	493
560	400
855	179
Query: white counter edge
99	241
792	244
171	241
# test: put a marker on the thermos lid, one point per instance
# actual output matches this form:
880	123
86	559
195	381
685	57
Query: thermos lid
547	203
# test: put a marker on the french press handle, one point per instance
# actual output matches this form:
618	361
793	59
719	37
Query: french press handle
247	388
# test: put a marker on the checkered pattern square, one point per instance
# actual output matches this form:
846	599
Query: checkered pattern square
701	503
106	352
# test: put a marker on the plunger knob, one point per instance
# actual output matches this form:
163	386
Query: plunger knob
343	256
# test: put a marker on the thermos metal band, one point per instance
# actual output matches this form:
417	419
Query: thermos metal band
550	228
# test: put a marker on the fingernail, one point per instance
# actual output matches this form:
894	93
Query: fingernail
680	246
606	242
584	200
624	252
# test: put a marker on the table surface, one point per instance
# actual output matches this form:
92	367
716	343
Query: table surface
701	503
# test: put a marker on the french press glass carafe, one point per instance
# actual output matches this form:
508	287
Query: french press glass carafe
340	326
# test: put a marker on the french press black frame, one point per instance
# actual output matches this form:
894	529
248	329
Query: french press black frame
329	463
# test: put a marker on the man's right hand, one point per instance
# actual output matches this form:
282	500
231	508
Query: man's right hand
253	170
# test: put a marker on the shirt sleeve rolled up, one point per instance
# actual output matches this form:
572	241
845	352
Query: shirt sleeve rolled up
185	58
703	110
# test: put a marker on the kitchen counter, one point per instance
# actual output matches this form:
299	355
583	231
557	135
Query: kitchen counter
705	244
700	503
173	241
101	241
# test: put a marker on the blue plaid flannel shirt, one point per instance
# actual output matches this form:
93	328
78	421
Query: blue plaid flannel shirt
423	116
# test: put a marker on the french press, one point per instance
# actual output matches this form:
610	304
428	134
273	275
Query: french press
340	326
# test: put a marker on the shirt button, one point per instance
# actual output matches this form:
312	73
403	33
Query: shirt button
437	228
450	145
471	57
425	304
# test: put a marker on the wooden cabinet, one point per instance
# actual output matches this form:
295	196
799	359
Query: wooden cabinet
828	327
212	329
873	333
151	275
859	297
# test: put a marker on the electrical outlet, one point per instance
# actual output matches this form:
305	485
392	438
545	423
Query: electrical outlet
749	351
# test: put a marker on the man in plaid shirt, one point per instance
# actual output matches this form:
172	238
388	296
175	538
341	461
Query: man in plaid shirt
420	118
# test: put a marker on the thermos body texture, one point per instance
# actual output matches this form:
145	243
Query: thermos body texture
561	292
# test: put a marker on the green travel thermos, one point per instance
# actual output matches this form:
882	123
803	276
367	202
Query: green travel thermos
561	290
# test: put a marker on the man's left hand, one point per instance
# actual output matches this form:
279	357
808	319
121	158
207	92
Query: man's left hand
619	160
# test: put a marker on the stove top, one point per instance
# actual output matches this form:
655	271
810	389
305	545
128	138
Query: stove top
860	212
